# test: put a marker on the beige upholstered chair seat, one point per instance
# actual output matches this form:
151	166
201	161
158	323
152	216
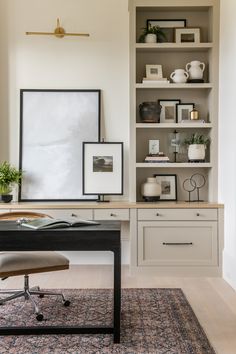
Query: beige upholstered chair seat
20	263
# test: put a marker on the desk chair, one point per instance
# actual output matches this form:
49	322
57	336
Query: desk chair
25	263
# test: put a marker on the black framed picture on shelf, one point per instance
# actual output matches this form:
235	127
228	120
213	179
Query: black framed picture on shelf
168	110
167	26
183	112
168	183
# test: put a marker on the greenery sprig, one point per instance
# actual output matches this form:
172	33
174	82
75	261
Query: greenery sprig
9	176
197	139
152	30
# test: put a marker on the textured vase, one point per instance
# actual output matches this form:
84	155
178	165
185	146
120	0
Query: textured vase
150	38
196	152
151	190
150	112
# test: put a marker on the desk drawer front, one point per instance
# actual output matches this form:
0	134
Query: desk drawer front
180	244
65	213
111	214
177	214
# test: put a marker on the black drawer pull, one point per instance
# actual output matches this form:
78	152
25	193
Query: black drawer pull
198	214
177	243
74	215
112	214
158	214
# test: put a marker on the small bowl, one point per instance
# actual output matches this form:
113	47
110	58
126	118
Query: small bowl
6	198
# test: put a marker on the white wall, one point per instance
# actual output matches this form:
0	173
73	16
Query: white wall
227	130
100	61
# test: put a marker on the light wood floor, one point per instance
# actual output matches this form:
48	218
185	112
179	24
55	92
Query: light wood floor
212	299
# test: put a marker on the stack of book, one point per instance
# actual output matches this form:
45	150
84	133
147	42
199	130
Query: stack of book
163	80
157	158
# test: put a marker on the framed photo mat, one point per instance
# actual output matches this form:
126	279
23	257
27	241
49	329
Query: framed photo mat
168	184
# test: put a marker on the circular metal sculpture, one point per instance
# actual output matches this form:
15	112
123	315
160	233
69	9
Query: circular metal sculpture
196	181
189	187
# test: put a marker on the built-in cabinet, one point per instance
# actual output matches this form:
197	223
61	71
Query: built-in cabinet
203	14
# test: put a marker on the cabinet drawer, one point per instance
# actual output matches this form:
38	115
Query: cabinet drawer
180	244
65	213
111	214
177	214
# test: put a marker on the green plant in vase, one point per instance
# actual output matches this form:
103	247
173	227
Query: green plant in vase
152	34
9	176
196	147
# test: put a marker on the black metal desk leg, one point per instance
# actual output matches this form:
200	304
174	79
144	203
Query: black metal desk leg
117	294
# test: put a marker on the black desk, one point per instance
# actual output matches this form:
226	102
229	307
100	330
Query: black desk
103	237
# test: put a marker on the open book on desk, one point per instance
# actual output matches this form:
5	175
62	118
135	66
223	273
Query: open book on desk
47	223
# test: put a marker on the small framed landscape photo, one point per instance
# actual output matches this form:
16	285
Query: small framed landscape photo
168	185
187	35
183	112
154	72
168	110
102	168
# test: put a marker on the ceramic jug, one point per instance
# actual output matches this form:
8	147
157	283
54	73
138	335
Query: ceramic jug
195	69
150	112
151	190
179	76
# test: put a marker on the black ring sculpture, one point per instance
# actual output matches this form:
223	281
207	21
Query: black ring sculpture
191	189
199	185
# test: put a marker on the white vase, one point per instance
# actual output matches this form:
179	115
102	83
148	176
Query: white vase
179	76
196	152
195	69
150	38
151	190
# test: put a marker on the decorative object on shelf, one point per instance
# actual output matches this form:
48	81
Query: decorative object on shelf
150	112
184	111
187	35
102	168
152	34
151	190
179	76
198	180
167	26
194	114
9	176
54	123
168	110
154	147
189	186
168	184
160	157
196	147
59	32
195	69
175	144
154	72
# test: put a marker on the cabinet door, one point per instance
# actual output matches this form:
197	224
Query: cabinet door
177	243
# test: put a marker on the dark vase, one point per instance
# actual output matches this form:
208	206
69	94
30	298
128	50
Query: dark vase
6	198
150	112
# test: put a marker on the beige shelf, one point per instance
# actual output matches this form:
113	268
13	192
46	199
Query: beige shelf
173	125
174	165
174	86
191	47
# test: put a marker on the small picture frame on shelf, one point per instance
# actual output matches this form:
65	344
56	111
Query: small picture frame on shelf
187	35
168	110
168	183
167	26
154	147
183	112
154	72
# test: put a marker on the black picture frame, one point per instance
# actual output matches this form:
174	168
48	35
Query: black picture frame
180	118
89	187
72	127
168	26
164	196
175	101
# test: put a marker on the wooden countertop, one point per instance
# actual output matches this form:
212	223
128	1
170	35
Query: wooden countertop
110	205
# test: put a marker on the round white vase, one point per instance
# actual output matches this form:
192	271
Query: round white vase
150	38
196	152
151	190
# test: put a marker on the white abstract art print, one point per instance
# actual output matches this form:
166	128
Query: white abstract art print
54	125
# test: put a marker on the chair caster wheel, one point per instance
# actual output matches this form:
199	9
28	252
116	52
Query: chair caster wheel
39	317
41	296
66	303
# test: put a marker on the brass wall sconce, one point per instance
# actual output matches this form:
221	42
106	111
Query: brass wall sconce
59	32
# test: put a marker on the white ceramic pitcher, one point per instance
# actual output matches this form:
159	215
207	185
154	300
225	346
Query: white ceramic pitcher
179	76
195	69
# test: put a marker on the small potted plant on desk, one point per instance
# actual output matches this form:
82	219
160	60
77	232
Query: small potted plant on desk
152	34
9	176
197	147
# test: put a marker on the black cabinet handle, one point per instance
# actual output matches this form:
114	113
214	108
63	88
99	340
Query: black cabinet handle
74	215
198	214
177	243
158	214
112	214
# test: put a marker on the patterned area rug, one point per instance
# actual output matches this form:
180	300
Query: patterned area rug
158	321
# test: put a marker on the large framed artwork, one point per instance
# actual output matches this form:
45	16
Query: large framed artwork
53	126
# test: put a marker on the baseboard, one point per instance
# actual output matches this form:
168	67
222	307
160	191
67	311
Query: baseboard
229	269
